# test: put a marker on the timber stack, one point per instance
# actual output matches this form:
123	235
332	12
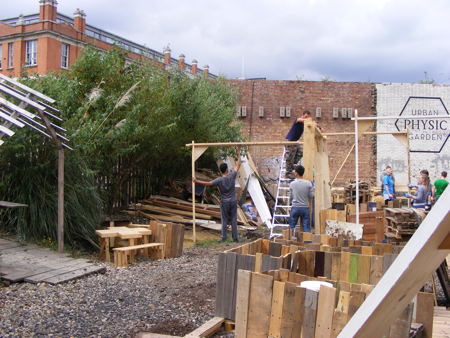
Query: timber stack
350	192
403	222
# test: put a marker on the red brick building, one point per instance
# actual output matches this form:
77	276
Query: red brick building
268	109
51	41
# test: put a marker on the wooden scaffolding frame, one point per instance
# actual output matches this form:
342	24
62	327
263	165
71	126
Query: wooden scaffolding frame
17	116
315	161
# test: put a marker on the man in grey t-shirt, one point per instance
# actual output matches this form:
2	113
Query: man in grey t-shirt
301	192
228	202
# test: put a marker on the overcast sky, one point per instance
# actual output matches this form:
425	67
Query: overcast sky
339	40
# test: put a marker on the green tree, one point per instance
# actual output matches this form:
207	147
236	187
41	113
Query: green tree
121	117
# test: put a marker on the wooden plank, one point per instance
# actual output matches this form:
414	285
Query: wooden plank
230	276
319	263
335	265
242	302
356	299
310	313
325	310
424	313
275	249
258	262
388	259
376	269
52	273
277	309
400	328
327	264
70	275
208	329
353	268
294	298
220	285
259	305
345	266
364	269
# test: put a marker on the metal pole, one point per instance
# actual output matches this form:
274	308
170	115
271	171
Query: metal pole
60	230
356	166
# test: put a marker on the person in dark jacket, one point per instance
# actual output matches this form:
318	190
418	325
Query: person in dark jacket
294	152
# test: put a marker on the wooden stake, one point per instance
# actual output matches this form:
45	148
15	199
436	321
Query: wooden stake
60	232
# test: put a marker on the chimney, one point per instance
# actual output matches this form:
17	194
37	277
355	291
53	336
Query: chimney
181	63
194	67
47	10
20	20
166	52
206	71
79	20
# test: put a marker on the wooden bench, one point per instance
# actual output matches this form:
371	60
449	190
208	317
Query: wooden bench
121	254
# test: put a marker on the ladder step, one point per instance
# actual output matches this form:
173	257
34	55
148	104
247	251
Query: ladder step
283	206
282	216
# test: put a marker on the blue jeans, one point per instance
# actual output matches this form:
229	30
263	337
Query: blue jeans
303	213
228	210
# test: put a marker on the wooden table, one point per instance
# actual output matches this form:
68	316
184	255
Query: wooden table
130	234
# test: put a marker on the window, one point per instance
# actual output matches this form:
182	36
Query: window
65	55
31	53
1	55
10	55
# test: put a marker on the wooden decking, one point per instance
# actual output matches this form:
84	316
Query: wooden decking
34	264
441	322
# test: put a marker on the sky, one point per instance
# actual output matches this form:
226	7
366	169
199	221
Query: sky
337	40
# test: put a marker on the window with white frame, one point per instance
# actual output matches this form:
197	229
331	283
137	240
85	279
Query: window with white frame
31	53
1	55
65	55
10	55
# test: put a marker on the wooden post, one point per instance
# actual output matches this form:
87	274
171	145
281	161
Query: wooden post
60	230
194	235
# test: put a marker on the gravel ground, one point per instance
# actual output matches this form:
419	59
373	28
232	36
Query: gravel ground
172	296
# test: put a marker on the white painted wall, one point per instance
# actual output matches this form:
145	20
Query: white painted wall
426	135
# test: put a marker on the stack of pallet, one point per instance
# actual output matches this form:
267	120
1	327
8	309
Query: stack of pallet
373	225
170	209
350	193
402	222
273	304
304	261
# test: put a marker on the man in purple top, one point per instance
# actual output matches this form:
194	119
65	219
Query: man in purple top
228	202
294	152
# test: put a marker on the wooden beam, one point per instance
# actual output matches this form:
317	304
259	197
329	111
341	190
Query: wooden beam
407	274
367	133
233	144
445	245
343	163
208	329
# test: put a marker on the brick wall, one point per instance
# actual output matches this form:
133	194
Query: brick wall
301	95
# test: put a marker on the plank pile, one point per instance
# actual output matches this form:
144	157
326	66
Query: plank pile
273	304
402	222
373	225
314	261
170	209
350	193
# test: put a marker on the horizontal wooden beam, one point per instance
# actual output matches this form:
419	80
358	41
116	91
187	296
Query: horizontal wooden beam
368	133
412	117
231	144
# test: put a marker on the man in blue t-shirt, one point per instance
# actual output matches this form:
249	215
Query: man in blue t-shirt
294	152
228	202
388	186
